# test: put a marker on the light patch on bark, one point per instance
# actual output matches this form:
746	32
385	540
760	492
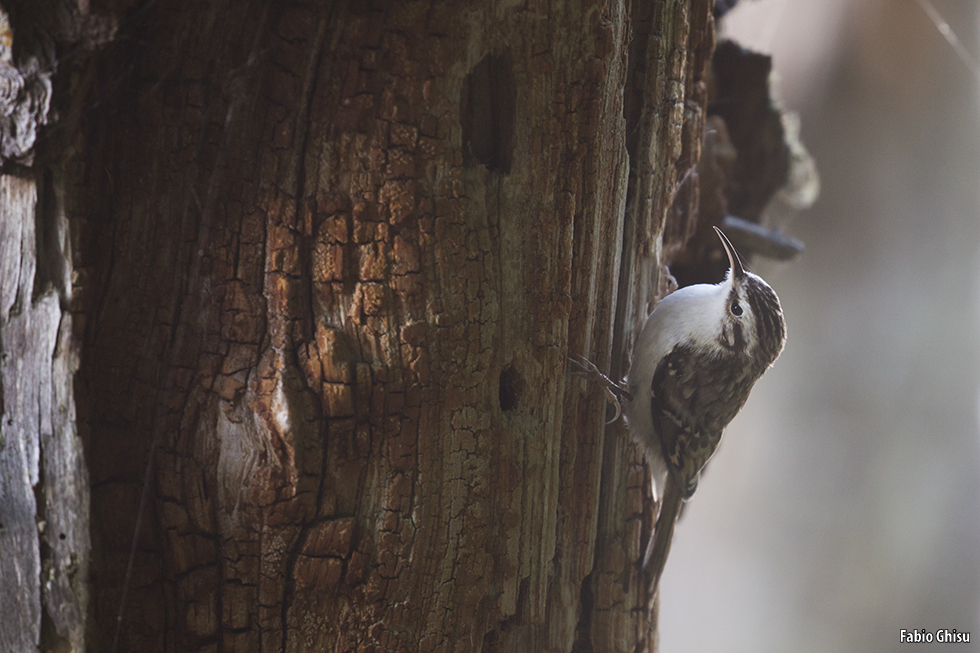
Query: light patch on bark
43	485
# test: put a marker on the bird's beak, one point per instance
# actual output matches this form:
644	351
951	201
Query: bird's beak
737	270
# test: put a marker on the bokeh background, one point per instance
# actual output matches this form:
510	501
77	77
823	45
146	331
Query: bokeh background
844	504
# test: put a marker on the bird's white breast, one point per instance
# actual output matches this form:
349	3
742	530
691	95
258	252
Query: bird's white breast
691	314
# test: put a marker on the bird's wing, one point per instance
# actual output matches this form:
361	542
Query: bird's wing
686	440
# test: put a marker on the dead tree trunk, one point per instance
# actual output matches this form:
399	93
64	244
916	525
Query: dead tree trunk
330	261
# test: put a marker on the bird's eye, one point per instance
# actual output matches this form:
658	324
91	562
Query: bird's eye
736	309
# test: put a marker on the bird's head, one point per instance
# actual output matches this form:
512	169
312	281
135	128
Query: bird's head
752	319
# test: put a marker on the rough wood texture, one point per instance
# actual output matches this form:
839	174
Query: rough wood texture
19	437
333	259
25	98
664	98
44	491
43	484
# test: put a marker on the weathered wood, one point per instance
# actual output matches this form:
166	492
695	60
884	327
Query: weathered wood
664	97
26	337
43	483
44	509
335	257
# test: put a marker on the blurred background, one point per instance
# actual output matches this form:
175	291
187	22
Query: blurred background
845	503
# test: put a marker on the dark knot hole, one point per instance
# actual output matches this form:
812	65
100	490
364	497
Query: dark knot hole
511	388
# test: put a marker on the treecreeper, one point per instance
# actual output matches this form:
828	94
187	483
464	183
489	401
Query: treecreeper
694	363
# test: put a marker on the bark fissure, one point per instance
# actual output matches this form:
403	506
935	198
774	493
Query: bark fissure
302	219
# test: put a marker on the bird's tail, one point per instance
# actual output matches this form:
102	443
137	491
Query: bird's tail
659	547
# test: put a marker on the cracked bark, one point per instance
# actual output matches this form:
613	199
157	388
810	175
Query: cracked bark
331	259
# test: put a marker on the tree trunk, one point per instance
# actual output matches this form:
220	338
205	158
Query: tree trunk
330	262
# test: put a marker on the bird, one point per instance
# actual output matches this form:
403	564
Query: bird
694	363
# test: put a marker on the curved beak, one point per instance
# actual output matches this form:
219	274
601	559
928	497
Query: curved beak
733	260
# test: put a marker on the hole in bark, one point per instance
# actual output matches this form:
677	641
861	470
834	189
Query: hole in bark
586	614
487	113
755	128
51	261
511	387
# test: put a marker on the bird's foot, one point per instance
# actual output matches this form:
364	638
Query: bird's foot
616	393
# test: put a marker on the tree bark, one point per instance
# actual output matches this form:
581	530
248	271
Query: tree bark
44	492
331	261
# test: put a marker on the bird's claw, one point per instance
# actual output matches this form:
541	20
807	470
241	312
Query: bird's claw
614	392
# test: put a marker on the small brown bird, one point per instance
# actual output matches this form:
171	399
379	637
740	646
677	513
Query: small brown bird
697	357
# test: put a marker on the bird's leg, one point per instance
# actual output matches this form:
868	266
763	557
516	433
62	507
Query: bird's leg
616	393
